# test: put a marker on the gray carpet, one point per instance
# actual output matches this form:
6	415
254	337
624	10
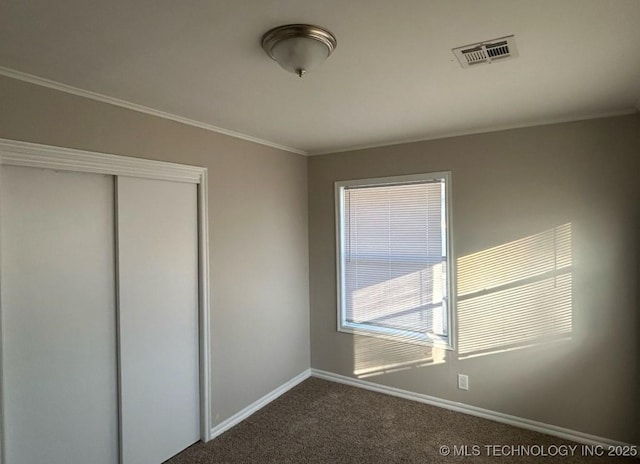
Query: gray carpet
325	422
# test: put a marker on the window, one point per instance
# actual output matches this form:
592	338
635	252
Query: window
394	259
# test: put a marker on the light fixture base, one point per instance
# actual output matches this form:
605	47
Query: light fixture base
297	58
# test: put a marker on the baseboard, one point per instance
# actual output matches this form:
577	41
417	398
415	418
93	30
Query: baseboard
553	430
259	404
548	429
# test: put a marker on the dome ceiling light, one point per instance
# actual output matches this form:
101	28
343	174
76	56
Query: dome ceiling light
298	48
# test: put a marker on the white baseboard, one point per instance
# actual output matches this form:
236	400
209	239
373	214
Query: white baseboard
515	421
548	429
259	404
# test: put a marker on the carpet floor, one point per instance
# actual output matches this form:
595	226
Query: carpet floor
325	422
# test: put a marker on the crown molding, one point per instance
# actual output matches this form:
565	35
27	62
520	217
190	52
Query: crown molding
43	82
19	75
484	130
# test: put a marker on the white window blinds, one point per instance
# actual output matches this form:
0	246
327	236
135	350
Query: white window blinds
393	254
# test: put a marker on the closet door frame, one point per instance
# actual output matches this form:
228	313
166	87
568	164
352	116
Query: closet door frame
17	153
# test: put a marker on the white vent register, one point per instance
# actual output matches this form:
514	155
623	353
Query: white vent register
487	51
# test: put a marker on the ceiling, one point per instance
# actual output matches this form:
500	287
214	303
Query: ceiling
392	78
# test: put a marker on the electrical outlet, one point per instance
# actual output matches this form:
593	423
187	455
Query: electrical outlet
463	382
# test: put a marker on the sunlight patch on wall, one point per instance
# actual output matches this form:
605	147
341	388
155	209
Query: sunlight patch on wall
375	356
516	295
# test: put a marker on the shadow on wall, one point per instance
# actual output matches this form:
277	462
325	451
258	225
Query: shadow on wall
513	296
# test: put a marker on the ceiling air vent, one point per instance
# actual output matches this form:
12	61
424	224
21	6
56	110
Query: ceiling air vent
487	51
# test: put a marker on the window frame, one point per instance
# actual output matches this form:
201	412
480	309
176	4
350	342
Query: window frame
447	342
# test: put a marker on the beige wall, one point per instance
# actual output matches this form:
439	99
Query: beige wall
258	228
508	185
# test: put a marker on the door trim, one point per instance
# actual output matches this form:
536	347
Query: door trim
16	153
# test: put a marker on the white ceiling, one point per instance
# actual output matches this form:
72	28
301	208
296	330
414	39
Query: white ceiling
392	78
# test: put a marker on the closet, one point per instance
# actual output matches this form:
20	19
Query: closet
102	307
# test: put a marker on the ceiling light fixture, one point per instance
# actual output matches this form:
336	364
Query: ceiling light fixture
298	48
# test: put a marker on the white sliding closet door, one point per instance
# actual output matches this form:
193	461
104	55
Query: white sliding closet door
58	317
158	317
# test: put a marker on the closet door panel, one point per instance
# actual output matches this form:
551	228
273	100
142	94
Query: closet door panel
158	318
58	317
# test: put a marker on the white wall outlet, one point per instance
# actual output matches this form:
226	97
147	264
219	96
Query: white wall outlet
463	382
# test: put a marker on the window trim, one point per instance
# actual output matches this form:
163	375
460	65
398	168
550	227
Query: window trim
448	342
